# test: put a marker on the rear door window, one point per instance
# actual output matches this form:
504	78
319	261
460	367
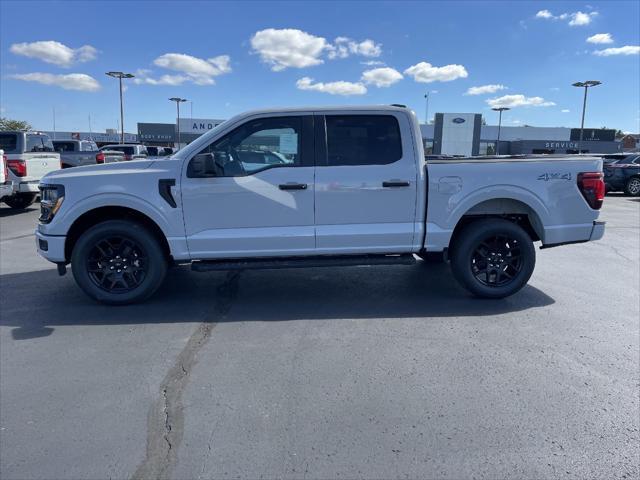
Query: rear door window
362	140
9	142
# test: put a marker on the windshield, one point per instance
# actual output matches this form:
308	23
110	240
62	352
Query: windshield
8	142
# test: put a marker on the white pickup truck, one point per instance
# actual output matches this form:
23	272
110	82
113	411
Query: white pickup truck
309	188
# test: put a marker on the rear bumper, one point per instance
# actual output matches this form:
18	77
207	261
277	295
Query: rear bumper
51	247
28	187
6	189
598	231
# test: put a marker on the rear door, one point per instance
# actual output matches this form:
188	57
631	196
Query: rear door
365	183
250	192
39	155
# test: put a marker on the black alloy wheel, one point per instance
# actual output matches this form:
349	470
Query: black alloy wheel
117	264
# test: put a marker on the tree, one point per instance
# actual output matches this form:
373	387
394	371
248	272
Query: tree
8	124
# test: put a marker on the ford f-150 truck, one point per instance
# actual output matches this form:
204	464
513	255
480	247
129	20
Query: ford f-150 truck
309	188
29	157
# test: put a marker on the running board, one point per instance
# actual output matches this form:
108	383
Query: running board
302	262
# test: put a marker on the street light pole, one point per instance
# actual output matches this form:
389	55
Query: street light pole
426	108
500	110
120	76
585	85
178	101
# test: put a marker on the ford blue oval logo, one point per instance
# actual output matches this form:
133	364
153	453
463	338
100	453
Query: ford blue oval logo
458	120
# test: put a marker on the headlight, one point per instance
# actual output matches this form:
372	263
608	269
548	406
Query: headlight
51	198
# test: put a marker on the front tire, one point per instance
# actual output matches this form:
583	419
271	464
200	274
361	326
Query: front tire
118	262
493	258
632	187
20	201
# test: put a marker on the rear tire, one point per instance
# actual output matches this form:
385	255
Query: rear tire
20	201
493	258
118	262
632	187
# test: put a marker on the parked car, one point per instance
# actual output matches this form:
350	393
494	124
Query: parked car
6	185
131	151
30	156
356	192
77	153
623	174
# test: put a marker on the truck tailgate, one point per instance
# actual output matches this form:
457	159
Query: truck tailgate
39	164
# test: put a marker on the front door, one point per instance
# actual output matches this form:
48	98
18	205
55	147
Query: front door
251	192
365	184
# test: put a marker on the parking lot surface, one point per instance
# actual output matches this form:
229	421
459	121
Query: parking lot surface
370	372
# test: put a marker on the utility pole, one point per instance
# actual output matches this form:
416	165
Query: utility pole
120	76
585	85
499	109
178	101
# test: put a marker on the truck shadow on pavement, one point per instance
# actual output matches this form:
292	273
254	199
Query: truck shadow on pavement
419	291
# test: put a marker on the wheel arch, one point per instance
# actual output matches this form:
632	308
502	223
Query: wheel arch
514	210
98	215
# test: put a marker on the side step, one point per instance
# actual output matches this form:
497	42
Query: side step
302	262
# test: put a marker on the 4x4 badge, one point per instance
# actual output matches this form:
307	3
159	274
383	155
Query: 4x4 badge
554	176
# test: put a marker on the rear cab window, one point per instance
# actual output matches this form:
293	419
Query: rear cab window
37	142
362	140
64	146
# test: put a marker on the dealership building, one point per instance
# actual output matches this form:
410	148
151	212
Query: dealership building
450	134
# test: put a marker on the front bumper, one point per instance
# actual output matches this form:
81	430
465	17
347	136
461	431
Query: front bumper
51	247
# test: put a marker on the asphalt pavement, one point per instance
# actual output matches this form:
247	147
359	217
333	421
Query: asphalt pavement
361	372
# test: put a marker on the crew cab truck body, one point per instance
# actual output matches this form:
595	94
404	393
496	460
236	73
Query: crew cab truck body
29	156
314	187
77	153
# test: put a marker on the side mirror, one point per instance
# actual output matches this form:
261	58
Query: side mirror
202	165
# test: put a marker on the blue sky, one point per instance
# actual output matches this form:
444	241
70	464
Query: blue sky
232	57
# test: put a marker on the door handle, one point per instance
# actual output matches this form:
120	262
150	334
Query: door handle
395	183
292	186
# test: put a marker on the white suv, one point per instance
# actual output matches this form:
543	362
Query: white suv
30	156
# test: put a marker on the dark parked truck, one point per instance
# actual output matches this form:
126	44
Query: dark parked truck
77	153
313	187
623	174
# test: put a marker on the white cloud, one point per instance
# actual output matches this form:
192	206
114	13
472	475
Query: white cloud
372	63
143	78
600	38
626	50
197	70
292	48
512	101
424	72
544	14
581	18
344	46
55	52
481	90
334	88
71	81
288	48
565	110
381	77
575	18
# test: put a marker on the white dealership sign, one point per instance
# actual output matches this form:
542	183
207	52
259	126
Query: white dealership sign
198	126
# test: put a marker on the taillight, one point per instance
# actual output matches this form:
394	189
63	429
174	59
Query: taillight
100	157
127	157
591	185
18	167
6	168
